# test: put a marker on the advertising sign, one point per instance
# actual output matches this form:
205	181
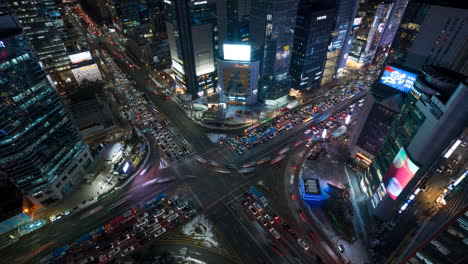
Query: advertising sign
236	52
80	57
398	78
400	173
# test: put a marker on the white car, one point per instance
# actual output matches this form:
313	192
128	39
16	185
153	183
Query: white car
127	251
160	232
307	131
274	233
303	244
316	132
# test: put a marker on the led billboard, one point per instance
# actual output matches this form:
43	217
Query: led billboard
398	78
400	173
80	57
236	52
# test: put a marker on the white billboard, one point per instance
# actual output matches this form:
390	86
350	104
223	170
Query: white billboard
80	57
236	52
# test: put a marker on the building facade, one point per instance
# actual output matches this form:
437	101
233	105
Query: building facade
340	40
432	33
433	114
42	23
271	32
373	16
40	149
238	80
311	38
193	42
132	18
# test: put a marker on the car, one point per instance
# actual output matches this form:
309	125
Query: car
262	221
190	213
293	196
182	205
252	210
123	238
257	206
316	132
341	248
274	233
159	232
127	251
158	213
303	244
154	227
167	213
307	131
113	252
302	215
172	217
143	215
441	169
308	144
141	222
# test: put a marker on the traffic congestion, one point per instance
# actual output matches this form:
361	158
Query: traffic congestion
269	128
125	233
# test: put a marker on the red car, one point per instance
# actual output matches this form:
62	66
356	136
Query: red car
293	195
302	215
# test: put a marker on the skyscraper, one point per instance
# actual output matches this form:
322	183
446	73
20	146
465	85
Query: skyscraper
434	113
271	32
339	43
238	17
193	42
432	33
373	17
132	17
312	35
40	149
41	21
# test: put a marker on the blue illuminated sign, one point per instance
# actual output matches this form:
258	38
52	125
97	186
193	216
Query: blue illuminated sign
398	78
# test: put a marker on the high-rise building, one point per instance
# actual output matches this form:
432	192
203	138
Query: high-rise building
238	17
40	149
391	27
311	38
271	32
156	14
373	17
432	33
381	106
132	18
340	40
41	22
193	42
433	114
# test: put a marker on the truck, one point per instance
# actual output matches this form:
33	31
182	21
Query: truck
259	196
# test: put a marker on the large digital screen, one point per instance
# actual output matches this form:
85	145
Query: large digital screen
398	78
400	173
80	57
236	52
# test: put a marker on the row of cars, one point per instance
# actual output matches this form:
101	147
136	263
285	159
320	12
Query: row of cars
268	129
172	149
270	220
125	233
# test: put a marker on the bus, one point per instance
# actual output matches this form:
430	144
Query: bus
283	124
307	120
259	196
153	202
266	122
251	128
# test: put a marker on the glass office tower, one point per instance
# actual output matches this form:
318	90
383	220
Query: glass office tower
271	29
192	34
41	151
42	23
